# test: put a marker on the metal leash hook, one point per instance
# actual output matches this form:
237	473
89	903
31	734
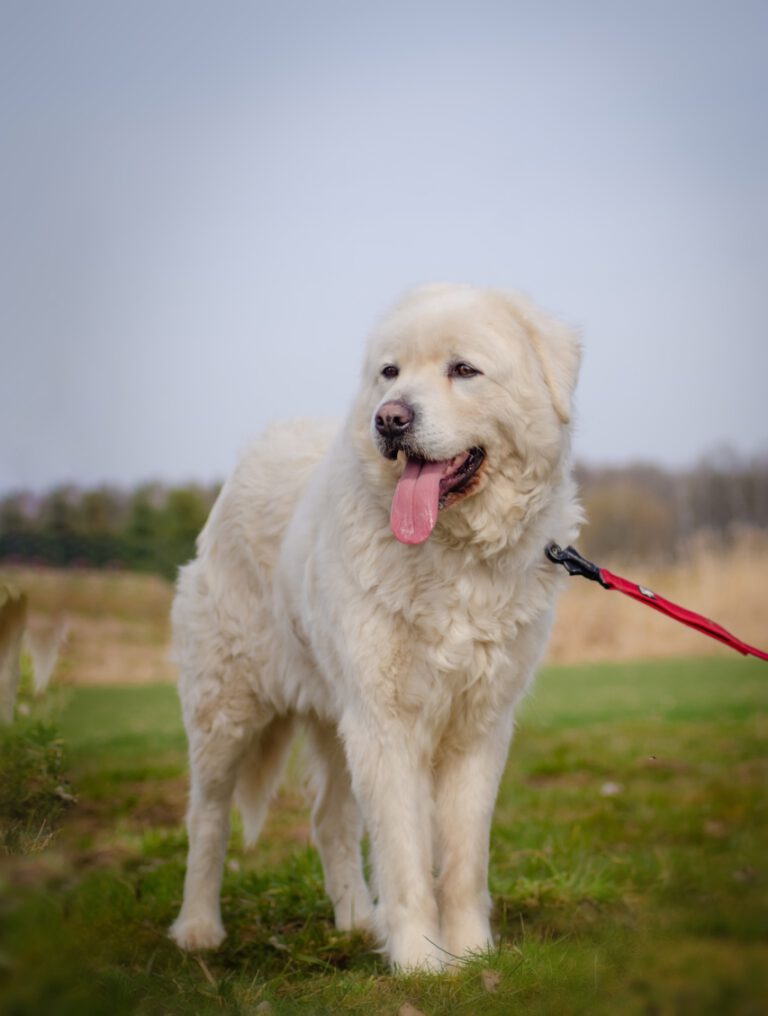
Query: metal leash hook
573	562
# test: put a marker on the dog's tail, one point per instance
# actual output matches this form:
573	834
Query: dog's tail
259	773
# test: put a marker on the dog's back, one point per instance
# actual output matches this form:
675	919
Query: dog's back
224	596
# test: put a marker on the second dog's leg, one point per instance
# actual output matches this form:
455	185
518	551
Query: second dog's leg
338	829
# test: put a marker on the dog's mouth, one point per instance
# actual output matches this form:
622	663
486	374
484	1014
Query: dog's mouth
426	486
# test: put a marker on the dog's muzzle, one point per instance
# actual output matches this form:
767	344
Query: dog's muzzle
394	422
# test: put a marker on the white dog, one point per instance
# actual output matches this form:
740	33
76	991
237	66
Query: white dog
386	584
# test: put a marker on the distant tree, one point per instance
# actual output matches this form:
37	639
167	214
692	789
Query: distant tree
186	510
102	511
144	514
628	520
59	511
13	514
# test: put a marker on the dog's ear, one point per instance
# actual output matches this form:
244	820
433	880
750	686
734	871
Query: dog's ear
557	348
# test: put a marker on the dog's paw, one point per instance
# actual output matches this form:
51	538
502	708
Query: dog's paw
467	933
410	951
192	934
354	913
418	963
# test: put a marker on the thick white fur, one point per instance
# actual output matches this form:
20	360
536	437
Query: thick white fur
405	662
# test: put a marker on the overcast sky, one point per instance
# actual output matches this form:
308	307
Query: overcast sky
205	206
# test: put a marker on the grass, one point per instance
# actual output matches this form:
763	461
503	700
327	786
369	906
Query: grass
628	866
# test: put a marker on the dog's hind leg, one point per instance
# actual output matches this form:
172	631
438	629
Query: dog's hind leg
217	748
338	829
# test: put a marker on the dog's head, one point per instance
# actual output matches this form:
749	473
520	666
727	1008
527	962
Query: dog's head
464	390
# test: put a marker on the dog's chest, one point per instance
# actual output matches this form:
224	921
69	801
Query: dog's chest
462	630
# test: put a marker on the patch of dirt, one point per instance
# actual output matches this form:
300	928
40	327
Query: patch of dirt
161	809
139	807
57	864
570	779
661	764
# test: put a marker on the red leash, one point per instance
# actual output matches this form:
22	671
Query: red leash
575	564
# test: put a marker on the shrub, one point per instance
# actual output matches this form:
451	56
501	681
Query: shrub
33	788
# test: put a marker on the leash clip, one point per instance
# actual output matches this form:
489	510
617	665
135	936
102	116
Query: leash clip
573	562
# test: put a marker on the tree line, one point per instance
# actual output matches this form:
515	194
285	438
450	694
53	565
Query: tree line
640	510
151	529
649	512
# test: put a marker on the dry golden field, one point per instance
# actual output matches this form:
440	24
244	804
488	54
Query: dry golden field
118	627
118	621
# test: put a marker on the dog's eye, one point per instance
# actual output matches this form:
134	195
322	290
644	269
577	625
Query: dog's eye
389	370
463	369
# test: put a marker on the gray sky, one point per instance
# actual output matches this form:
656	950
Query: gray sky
205	206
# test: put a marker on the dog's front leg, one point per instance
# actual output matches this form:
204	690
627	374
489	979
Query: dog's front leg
393	785
466	784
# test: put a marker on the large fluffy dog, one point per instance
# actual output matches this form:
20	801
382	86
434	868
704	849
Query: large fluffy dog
386	584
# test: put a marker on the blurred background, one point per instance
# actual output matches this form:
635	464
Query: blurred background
205	207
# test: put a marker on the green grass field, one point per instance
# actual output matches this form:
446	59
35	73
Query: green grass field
629	865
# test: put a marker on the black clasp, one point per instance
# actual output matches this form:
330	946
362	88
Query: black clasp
573	562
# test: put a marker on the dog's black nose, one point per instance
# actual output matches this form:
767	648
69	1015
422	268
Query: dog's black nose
394	418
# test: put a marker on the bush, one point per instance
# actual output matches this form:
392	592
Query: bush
33	788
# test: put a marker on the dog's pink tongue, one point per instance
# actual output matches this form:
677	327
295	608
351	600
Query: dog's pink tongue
415	504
